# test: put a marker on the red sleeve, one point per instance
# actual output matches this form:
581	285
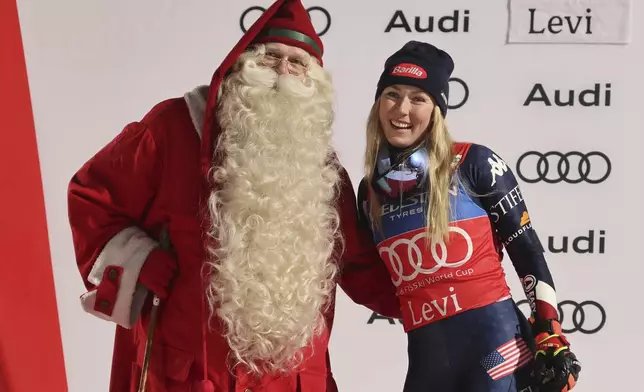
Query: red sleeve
107	200
363	275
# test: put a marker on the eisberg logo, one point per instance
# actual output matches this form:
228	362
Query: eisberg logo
409	70
529	282
320	17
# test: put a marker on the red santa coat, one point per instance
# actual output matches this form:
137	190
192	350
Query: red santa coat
146	180
153	177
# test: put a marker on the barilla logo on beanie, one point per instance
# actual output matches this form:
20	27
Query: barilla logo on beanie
409	70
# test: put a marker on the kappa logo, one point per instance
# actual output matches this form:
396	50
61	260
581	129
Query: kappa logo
498	167
409	70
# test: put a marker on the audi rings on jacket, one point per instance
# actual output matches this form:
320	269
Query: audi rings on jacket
415	256
580	323
314	14
592	174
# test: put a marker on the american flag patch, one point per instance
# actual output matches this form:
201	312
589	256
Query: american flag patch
507	358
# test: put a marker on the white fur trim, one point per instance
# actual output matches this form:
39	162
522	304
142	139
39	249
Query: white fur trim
128	249
196	101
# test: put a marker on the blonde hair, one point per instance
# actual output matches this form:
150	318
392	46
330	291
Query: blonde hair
438	143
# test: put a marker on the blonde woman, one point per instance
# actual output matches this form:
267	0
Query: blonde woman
441	214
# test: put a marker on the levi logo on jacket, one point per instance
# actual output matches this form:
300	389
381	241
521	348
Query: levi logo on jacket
436	280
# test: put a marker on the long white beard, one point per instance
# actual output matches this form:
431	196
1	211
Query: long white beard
273	220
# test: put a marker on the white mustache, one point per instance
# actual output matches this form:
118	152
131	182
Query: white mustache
256	75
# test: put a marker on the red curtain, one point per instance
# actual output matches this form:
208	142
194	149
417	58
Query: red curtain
31	355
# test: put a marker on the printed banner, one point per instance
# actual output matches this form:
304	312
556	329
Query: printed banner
563	118
570	21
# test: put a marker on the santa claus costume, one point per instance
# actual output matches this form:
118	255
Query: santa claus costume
260	217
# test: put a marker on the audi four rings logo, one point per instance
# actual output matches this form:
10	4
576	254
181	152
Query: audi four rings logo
320	18
459	93
572	167
415	255
587	317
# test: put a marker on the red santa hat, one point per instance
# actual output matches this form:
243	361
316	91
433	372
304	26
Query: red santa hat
291	25
285	21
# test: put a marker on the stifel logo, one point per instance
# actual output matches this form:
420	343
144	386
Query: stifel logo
409	70
525	218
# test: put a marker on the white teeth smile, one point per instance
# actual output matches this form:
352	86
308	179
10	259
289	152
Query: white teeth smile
402	125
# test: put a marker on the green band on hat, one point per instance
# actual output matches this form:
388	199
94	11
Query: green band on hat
293	35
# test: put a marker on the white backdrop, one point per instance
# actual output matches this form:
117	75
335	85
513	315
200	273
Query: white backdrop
95	66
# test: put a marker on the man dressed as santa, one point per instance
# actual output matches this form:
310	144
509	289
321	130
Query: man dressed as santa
240	182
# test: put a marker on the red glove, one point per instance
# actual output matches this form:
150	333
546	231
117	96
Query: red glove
158	272
556	368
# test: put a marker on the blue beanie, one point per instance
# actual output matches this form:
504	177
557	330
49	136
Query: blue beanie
422	65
